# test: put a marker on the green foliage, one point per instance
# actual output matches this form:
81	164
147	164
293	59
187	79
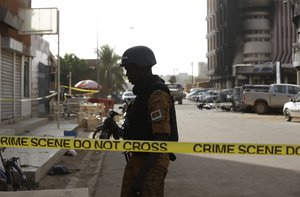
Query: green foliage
110	74
71	63
173	79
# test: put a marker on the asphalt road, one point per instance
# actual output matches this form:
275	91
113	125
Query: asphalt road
222	175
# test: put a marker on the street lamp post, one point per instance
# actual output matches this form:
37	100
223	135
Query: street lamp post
97	66
192	73
98	77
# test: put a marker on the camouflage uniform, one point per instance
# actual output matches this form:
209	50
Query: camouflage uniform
159	110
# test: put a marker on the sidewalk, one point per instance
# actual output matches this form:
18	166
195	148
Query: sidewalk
36	162
87	164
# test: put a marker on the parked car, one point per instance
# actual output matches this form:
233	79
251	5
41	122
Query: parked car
197	95
237	94
192	94
128	96
226	95
261	100
195	89
211	96
291	109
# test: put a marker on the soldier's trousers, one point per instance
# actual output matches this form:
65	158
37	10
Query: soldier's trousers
154	182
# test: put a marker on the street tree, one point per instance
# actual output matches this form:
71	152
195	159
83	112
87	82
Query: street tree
71	63
173	79
111	76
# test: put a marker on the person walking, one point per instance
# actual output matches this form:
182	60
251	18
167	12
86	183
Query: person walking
151	117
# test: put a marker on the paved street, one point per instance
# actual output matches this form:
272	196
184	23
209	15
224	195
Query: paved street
222	175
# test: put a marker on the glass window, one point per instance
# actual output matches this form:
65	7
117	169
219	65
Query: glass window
293	90
280	89
297	98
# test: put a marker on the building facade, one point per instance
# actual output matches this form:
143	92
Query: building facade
250	42
24	66
296	45
222	37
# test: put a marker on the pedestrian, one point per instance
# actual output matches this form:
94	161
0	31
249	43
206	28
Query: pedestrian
152	117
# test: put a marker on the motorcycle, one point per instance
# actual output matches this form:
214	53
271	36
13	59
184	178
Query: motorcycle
108	128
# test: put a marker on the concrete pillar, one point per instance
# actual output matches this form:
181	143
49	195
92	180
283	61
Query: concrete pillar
278	73
250	79
298	76
286	79
228	83
236	81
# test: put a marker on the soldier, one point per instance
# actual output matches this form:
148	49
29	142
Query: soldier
150	117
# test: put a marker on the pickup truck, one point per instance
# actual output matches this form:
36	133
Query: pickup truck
176	91
263	99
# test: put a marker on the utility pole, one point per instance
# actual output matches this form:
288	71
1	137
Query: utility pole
58	72
70	83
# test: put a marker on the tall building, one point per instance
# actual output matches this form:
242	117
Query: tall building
250	42
223	28
202	70
296	44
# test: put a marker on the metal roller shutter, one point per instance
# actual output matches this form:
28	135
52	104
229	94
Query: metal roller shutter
7	106
18	82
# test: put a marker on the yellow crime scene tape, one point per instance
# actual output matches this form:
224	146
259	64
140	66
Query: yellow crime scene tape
32	99
82	90
48	96
148	146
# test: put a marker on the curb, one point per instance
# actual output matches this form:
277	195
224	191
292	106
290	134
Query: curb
93	180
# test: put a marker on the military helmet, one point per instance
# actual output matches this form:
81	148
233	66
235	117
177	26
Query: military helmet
141	56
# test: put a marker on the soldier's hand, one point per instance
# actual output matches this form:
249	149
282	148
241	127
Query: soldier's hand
115	130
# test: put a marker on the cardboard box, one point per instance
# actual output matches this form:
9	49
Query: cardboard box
92	123
99	120
83	123
82	108
101	108
80	117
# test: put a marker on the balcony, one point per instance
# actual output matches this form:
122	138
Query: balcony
257	47
257	24
255	3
